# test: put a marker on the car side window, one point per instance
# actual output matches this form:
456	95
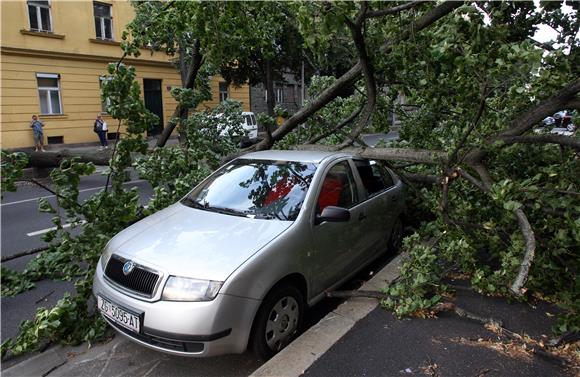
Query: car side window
338	188
387	177
374	176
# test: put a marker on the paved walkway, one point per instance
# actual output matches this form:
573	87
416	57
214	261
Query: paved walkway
381	345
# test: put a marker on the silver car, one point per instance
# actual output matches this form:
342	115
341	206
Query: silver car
235	263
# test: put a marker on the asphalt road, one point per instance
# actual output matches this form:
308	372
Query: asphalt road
22	227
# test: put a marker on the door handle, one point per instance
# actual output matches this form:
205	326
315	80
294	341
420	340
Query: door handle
362	216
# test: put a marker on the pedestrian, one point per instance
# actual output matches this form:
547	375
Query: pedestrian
37	132
101	129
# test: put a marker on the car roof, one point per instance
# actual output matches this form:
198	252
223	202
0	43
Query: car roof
314	157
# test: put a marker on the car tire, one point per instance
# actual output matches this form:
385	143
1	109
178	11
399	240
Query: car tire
278	321
396	238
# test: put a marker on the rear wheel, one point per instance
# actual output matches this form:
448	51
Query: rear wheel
396	239
278	321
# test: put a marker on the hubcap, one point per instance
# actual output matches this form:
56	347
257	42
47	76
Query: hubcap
282	323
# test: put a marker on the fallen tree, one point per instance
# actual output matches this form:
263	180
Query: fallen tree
51	159
494	200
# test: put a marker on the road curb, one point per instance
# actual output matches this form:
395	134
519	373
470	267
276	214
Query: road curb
39	365
293	360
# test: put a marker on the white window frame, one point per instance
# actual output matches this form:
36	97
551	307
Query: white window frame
102	23
50	89
38	17
279	94
107	102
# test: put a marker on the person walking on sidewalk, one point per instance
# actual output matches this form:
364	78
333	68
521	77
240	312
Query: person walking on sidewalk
37	133
101	129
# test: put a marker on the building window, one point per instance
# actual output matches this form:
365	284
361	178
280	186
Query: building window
279	95
103	21
105	102
49	93
223	91
39	15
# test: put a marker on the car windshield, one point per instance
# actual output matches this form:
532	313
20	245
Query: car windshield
261	189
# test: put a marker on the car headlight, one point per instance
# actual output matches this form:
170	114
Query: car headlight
185	289
106	255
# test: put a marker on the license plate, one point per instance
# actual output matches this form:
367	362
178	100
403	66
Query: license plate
118	314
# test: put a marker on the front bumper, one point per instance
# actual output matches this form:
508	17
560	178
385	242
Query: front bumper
197	329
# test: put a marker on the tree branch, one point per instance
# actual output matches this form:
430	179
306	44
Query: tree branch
393	10
542	45
543	139
525	228
528	233
337	127
368	74
423	156
573	104
475	121
535	113
474	181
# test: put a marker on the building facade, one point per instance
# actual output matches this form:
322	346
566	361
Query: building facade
54	55
287	95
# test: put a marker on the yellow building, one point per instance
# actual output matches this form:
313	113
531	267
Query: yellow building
53	56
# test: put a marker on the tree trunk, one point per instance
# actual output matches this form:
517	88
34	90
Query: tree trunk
53	159
269	83
188	77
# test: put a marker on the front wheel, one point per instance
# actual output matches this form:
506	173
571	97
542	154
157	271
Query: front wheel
278	321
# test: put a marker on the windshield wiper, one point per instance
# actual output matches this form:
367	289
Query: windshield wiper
194	204
226	211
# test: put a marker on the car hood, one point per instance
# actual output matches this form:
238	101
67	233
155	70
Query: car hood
184	241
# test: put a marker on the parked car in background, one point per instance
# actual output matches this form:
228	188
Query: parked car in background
561	123
235	263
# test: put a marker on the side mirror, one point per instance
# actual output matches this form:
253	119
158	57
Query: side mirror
333	214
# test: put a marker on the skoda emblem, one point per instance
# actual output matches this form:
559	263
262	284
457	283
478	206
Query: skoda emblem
128	267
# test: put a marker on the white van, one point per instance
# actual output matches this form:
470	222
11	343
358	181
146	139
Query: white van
250	125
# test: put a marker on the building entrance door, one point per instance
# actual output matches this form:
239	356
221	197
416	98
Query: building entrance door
154	102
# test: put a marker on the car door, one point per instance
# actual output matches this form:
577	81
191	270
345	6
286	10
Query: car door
336	244
381	202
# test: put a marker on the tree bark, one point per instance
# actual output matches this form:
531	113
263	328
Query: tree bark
188	82
568	141
423	156
53	159
269	85
526	229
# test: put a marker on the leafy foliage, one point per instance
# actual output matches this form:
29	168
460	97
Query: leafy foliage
12	165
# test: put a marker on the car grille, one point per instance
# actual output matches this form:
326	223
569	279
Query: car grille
138	280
